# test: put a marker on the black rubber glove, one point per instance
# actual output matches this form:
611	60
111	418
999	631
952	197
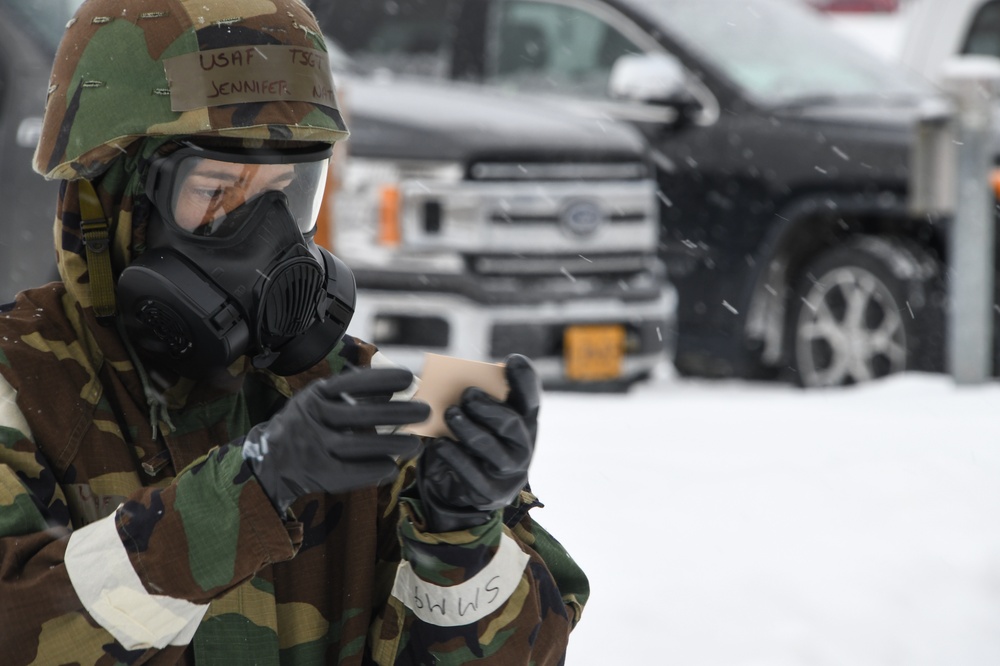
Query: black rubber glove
462	482
323	438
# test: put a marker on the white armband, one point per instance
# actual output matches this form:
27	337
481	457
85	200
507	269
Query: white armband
10	413
111	591
468	602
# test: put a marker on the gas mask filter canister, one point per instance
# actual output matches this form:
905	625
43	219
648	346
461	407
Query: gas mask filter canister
230	267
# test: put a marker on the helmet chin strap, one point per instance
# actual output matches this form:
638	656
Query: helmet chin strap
96	228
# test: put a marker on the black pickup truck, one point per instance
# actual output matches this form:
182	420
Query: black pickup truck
783	159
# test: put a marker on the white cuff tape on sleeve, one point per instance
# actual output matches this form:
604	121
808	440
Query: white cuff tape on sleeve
10	413
104	580
467	602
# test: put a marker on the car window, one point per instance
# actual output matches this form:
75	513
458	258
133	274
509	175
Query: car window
555	47
405	36
778	51
983	37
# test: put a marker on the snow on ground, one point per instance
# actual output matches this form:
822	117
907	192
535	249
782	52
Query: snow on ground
739	524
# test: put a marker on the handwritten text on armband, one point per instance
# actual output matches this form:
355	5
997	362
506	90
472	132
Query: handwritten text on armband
424	597
467	602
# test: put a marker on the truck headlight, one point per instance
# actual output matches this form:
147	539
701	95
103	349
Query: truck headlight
372	216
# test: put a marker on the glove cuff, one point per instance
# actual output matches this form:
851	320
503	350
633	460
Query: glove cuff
254	450
433	515
444	518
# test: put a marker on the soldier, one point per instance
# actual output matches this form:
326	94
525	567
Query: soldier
196	465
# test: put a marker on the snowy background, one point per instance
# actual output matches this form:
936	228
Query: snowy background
748	524
753	524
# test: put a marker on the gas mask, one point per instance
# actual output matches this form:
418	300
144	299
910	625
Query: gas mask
230	266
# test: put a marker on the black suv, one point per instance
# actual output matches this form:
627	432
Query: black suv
782	152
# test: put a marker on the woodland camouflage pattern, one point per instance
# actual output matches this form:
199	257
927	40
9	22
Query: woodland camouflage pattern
77	426
208	533
100	102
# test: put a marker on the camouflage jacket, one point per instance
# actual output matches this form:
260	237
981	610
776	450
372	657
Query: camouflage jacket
121	544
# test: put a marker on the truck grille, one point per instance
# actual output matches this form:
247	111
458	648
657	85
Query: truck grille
514	218
568	266
558	171
569	218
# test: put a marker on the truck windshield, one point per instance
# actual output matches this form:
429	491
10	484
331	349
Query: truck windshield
778	51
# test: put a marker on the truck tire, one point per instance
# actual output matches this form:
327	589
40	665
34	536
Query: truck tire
863	310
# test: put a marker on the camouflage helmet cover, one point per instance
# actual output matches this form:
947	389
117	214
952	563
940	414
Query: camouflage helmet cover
250	69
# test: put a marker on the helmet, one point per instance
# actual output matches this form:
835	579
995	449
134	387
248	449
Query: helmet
253	69
143	92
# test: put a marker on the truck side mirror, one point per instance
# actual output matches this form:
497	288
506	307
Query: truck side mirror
649	78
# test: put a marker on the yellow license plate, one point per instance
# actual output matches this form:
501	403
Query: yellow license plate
593	353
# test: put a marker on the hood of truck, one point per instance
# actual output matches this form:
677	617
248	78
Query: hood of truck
898	115
423	120
844	143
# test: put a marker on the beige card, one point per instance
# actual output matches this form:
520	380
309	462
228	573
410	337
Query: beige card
441	384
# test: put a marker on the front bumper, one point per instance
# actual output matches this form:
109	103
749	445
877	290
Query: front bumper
406	325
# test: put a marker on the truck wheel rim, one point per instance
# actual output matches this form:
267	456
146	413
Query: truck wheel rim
849	330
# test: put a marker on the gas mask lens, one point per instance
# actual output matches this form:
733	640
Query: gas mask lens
203	191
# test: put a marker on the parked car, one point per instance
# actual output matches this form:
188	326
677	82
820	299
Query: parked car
937	32
479	224
29	33
782	158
